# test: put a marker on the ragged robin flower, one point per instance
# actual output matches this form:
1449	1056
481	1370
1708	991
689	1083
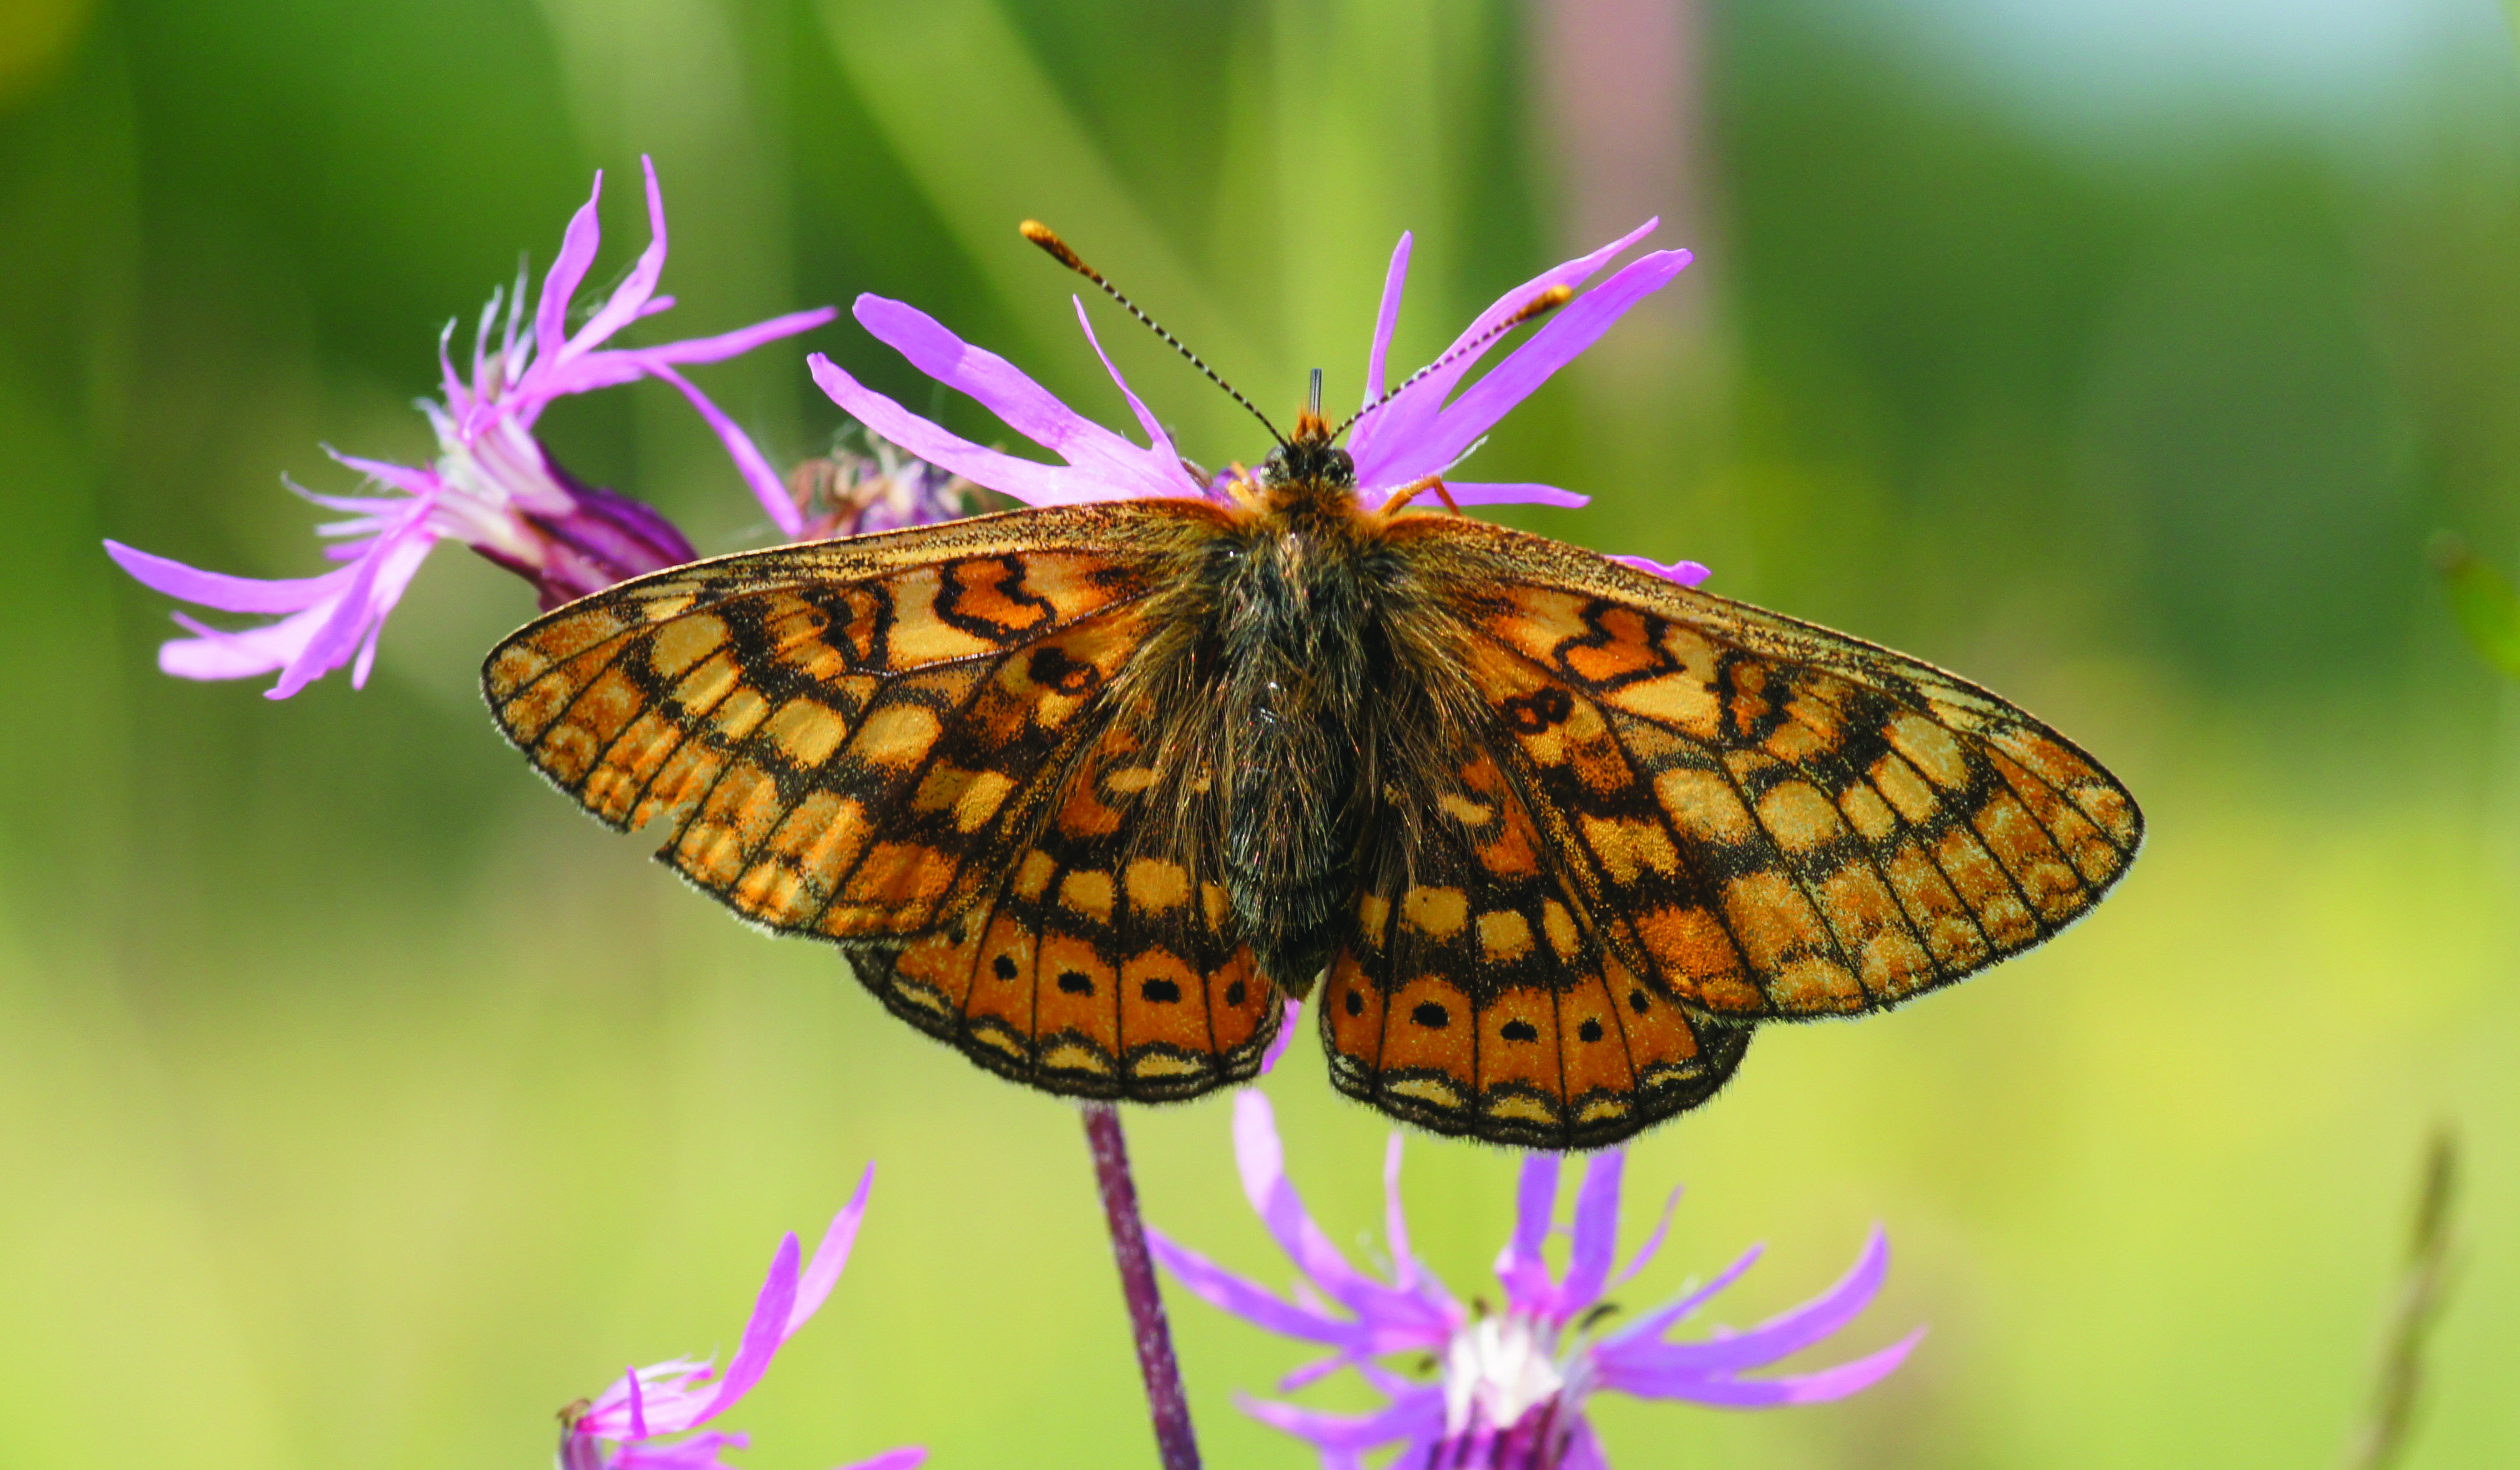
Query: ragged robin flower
1429	426
492	487
648	1418
1508	1386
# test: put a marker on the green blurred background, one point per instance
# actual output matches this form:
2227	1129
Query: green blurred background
361	1103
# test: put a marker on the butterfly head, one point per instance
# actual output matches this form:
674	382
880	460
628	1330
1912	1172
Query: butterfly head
1310	459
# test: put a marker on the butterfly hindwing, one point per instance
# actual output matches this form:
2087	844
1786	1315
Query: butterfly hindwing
1103	961
1473	997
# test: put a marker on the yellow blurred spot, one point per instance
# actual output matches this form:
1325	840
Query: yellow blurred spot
36	36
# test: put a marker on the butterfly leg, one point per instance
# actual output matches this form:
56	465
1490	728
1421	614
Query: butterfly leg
1415	489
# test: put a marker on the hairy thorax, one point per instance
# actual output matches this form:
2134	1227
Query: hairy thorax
1320	668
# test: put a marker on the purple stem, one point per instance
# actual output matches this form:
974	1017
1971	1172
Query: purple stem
1170	1408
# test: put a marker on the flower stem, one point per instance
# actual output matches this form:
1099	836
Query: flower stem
1169	1406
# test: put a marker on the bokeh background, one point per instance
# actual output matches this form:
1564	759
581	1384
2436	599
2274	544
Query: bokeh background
361	1103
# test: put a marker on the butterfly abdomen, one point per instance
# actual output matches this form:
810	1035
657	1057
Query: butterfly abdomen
1293	661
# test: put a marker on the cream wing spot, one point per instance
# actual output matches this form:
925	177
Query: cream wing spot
684	641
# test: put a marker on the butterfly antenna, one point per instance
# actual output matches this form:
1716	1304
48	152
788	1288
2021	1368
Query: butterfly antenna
1540	305
1056	248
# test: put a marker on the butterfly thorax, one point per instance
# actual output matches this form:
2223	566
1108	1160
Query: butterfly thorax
1302	597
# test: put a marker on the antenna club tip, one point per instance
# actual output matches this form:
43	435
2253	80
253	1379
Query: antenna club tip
1048	239
1540	305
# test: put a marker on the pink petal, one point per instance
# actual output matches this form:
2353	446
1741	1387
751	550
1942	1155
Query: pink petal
1415	1415
1787	1333
377	583
371	511
403	477
1160	441
1248	1299
1664	1318
1291	1014
628	299
1395	1222
736	343
830	1256
576	253
1318	1369
1121	469
1262	1160
1685	573
767	487
1520	1267
244	653
451	386
762	1336
1595	1242
228	593
1654	1242
1484	493
907	1457
1696	1386
1387	318
1583	1450
1560	341
1433	446
580	1448
401	565
363	662
699	1453
1035	484
1391	429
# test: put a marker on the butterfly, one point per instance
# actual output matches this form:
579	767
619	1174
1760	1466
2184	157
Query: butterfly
1092	791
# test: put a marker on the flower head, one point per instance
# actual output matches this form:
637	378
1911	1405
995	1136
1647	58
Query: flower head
628	1426
1424	429
1511	1385
492	487
866	484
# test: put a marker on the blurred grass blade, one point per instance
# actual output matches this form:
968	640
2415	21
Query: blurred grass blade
982	129
2420	1294
2487	609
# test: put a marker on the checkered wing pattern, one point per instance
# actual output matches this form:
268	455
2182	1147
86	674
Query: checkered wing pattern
1686	815
906	744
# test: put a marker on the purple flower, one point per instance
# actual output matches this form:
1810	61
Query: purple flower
1509	1386
493	487
1418	432
866	484
626	1427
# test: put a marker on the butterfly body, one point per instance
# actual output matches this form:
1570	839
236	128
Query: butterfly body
1089	792
1312	689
